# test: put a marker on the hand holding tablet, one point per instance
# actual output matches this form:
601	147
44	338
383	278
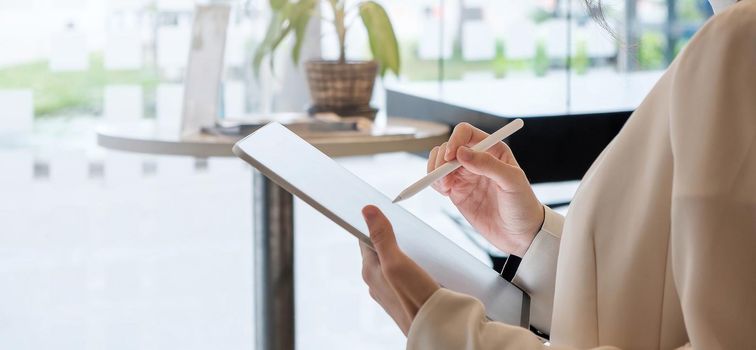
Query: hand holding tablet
303	170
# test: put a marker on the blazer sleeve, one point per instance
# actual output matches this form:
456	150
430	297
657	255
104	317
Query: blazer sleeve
449	320
713	140
454	321
536	274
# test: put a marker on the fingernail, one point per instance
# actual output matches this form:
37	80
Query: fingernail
465	153
369	212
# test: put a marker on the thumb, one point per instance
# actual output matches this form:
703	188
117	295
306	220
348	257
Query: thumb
381	233
485	164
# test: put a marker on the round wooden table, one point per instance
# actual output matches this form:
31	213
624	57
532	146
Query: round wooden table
145	137
273	217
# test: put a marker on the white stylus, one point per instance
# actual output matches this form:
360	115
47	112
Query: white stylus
446	169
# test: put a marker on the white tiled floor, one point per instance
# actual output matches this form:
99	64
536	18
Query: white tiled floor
146	264
164	262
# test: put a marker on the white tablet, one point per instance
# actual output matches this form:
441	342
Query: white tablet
321	182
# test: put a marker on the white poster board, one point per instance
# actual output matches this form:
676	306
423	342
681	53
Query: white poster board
203	73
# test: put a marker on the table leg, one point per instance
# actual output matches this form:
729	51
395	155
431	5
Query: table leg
273	265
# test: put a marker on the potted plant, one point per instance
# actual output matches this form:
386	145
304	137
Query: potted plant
342	86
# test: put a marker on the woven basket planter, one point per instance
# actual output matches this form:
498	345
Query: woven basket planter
338	86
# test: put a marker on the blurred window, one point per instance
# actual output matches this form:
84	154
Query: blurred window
116	59
550	49
75	57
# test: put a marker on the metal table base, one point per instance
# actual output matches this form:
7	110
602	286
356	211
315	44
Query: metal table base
273	265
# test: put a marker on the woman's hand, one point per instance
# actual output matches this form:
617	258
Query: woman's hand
396	282
490	190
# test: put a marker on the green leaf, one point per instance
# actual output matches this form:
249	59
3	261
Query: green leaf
381	35
299	19
277	30
277	4
289	17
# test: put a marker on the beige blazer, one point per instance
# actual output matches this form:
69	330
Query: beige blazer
658	250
